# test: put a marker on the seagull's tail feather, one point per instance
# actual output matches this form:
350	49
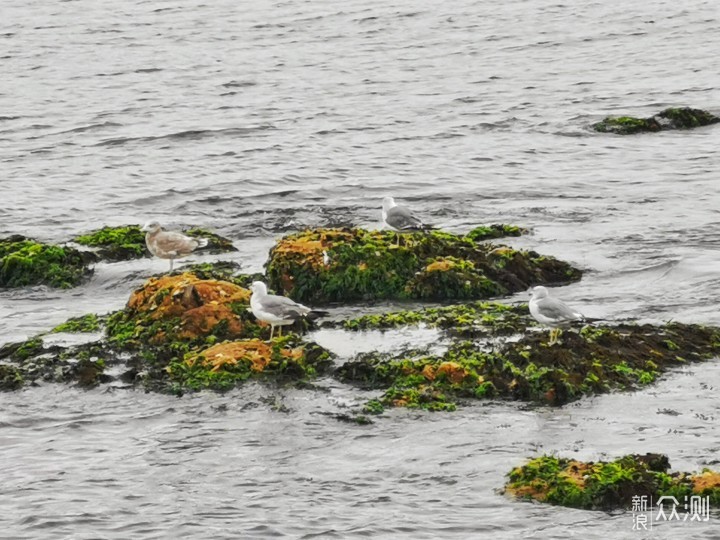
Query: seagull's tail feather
202	242
316	314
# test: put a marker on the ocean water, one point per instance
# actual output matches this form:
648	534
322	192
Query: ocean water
260	118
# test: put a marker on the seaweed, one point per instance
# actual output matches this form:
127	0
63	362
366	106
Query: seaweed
25	262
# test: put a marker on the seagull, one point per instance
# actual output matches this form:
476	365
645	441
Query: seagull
277	310
400	218
168	244
551	312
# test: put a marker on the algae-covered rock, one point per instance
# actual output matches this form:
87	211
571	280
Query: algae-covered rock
171	337
484	363
182	308
26	262
608	485
672	118
369	265
128	242
226	364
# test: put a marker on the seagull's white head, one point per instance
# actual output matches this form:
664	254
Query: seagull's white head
259	288
151	227
539	292
388	203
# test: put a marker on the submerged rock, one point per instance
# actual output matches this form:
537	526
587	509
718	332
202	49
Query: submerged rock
608	485
128	242
25	262
369	265
490	361
673	118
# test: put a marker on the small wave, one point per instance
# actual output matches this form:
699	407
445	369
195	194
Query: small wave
191	134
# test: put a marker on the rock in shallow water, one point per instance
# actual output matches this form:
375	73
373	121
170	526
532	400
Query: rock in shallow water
370	265
608	485
673	118
25	262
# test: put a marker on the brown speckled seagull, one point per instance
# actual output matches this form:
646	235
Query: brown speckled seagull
168	244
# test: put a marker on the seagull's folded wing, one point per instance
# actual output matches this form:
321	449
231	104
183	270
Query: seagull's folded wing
173	242
283	308
399	217
557	310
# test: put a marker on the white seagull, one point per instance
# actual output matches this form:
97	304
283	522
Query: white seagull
168	244
400	218
551	312
277	310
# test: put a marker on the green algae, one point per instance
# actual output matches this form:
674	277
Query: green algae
116	243
607	485
672	118
83	324
491	232
25	262
370	265
128	242
467	320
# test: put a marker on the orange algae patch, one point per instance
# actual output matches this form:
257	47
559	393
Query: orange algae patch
257	352
538	490
443	265
575	472
454	372
201	304
706	480
170	296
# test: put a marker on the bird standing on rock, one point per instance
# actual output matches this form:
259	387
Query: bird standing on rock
277	310
168	244
551	312
401	219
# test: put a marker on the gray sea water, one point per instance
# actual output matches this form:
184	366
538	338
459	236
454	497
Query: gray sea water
260	118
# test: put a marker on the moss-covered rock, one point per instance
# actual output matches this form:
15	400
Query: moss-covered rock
608	485
226	364
128	242
589	360
26	262
369	265
672	118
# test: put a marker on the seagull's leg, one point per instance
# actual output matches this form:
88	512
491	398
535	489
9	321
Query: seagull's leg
280	331
272	330
171	263
553	336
